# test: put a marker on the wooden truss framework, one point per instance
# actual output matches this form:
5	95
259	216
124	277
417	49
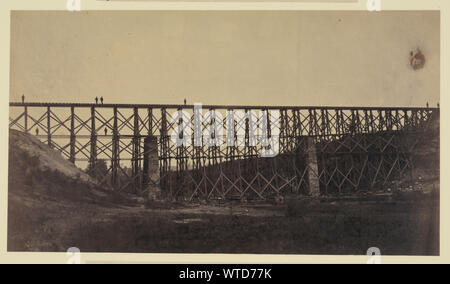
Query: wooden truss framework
357	148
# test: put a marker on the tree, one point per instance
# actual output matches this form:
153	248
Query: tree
97	170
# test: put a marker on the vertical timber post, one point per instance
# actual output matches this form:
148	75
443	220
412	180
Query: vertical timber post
165	152
313	168
136	151
26	119
311	122
49	129
93	156
338	123
115	150
150	122
72	134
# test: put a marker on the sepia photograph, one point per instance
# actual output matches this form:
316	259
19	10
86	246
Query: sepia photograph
225	132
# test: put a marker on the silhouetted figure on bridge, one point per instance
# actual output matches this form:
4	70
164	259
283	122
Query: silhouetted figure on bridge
106	131
37	131
96	100
23	98
185	101
101	100
428	105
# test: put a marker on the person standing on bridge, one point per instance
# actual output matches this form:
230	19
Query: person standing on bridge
101	100
96	100
23	99
37	131
106	131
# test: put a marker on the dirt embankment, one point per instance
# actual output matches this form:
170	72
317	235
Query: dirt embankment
37	170
47	194
30	156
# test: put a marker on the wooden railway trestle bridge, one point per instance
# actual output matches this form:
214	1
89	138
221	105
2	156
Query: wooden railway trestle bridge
322	150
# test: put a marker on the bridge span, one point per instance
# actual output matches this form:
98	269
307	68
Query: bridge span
320	150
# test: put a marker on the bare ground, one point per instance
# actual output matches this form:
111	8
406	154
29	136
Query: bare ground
398	227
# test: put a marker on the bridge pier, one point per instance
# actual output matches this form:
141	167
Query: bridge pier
151	181
313	168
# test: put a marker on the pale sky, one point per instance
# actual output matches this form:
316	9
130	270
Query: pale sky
238	58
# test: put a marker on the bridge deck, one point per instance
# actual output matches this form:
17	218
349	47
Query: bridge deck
175	106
